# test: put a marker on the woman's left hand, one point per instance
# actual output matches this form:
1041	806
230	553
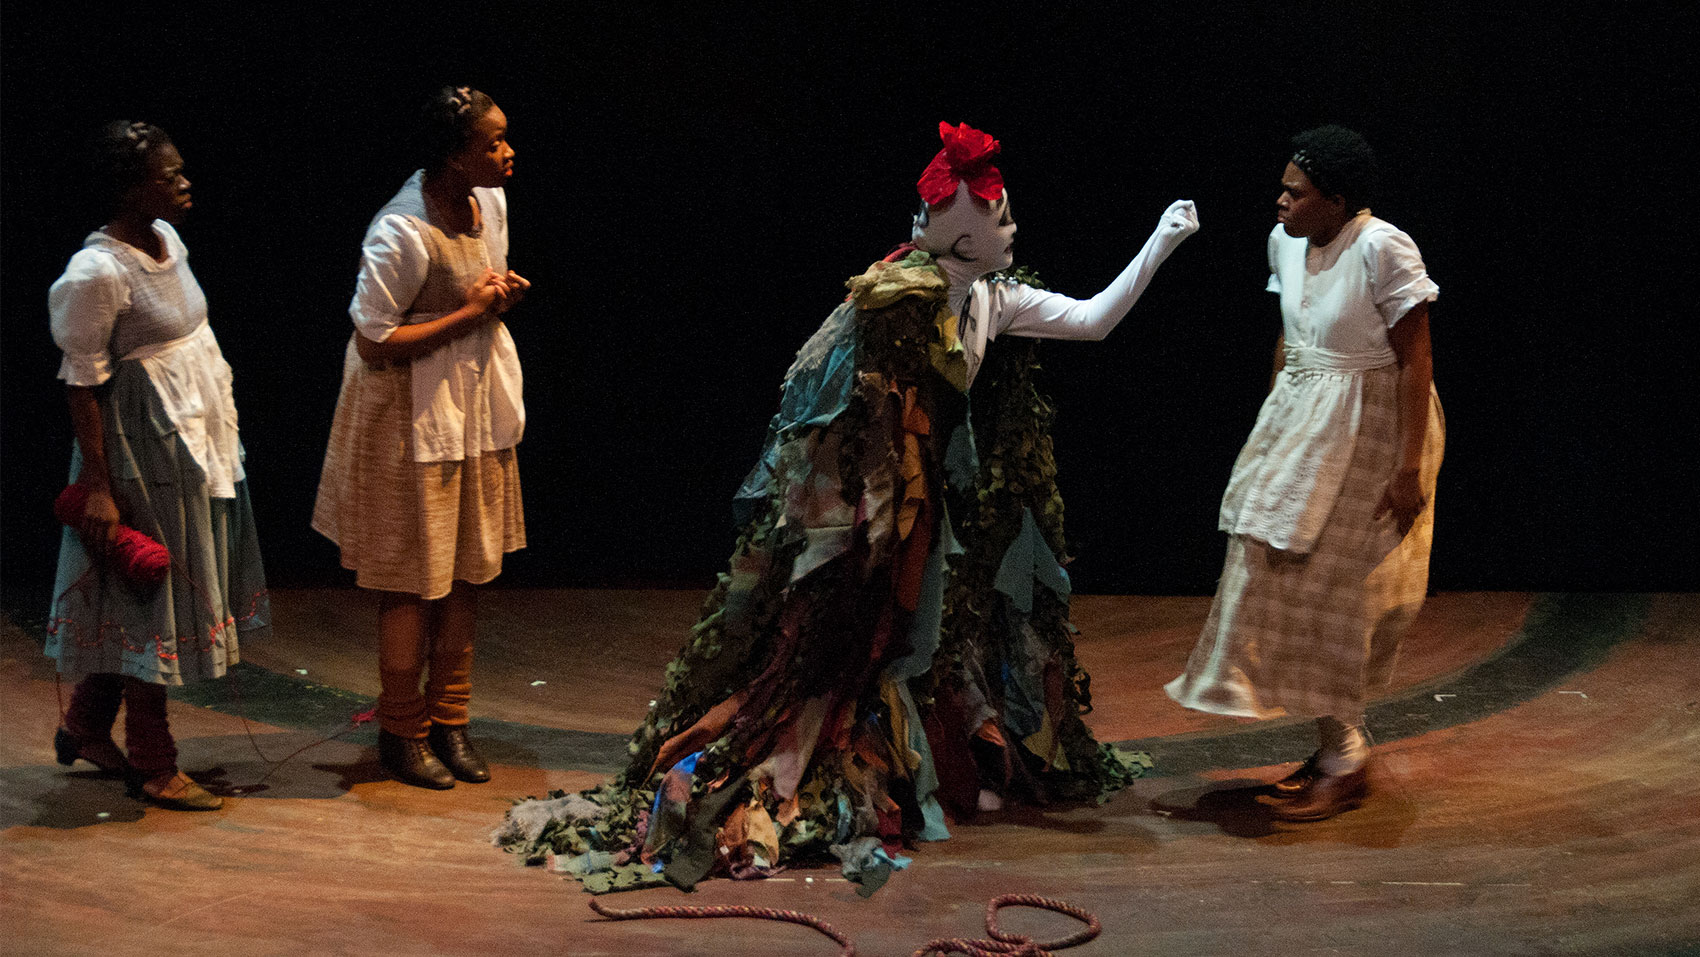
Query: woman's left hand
1404	498
517	285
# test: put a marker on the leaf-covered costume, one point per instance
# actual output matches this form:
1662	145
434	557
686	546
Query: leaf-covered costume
890	639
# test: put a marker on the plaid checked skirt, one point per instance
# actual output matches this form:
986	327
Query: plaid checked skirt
1313	634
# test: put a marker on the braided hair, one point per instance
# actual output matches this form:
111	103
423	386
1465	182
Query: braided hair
119	160
447	122
1339	162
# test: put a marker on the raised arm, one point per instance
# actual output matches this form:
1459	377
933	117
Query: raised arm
1047	315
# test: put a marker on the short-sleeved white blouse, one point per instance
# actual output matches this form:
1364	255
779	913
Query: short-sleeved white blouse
114	303
1337	304
467	392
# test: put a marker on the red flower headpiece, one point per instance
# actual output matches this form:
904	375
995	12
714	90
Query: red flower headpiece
966	157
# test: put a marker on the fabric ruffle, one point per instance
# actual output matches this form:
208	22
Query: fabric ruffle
1290	471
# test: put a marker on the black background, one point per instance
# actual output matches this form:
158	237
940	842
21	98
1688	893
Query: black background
692	188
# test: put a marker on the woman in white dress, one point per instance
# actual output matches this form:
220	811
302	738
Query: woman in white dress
420	488
1329	510
157	451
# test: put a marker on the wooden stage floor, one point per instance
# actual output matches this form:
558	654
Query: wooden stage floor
1537	791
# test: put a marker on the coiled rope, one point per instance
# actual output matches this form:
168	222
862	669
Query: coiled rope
1002	944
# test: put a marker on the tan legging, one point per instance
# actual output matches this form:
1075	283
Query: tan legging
430	640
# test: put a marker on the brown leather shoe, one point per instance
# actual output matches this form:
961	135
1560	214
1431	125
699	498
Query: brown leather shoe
1325	796
103	754
1297	781
410	761
453	747
175	790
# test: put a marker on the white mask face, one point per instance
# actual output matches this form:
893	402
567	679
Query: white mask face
969	229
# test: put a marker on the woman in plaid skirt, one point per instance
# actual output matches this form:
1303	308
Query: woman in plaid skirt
1329	510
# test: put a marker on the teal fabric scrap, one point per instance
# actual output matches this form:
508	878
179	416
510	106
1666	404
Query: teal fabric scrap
961	457
846	817
583	865
926	776
1029	559
927	626
865	863
1024	681
667	816
813	397
816	396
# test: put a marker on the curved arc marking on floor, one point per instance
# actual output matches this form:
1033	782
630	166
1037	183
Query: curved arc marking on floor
1562	635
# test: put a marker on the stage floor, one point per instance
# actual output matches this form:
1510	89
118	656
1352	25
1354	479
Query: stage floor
1537	791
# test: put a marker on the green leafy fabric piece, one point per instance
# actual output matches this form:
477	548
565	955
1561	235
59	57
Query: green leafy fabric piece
1027	560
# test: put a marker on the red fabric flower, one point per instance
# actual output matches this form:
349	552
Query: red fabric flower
967	156
132	555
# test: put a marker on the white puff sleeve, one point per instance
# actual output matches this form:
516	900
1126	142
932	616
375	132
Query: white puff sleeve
393	265
1274	284
1398	280
84	304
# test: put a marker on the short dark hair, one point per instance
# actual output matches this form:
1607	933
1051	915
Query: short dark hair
447	121
118	160
1339	162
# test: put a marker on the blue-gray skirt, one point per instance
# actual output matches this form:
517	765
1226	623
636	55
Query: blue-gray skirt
186	628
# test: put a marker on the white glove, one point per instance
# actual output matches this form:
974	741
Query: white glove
1053	316
1178	222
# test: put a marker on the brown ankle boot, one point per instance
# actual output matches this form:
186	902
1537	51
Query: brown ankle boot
1300	779
410	761
103	754
1325	796
454	748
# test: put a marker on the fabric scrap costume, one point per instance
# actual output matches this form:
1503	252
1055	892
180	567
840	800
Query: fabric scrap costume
891	641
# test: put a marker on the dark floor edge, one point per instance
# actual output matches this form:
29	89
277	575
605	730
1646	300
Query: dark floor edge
1561	636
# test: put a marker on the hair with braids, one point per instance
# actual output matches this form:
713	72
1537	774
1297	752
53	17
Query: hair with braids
1339	162
447	121
118	160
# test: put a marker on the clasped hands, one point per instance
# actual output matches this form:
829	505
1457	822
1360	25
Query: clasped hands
495	292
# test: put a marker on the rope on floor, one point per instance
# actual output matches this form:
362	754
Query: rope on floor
727	910
1002	944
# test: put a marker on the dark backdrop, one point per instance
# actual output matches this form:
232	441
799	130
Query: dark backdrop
692	190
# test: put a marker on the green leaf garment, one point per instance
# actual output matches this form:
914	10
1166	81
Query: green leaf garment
891	638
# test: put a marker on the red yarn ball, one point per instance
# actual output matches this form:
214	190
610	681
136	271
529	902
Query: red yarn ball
138	558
